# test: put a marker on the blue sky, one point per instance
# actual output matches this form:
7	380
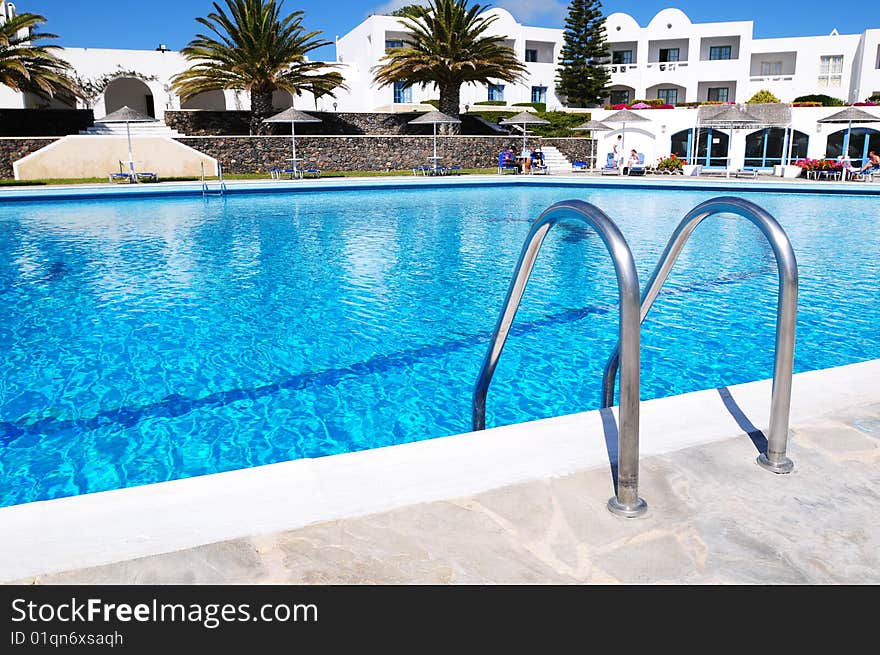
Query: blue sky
143	25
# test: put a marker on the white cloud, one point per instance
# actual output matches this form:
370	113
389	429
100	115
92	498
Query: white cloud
394	5
550	13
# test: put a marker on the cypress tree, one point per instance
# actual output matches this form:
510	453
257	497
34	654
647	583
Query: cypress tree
582	78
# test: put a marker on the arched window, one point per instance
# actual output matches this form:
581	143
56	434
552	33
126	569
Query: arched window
861	141
712	146
768	147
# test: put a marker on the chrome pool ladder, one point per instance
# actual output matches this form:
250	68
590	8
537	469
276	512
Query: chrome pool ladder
626	502
220	190
774	459
633	312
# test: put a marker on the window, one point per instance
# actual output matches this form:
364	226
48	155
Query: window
719	94
622	57
539	94
830	70
771	68
496	91
719	52
393	43
669	96
531	55
402	92
669	54
620	97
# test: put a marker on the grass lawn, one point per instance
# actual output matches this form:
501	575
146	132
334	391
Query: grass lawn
242	176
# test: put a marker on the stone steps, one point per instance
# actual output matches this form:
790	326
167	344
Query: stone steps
556	162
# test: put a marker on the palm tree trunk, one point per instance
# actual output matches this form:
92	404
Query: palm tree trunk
450	100
261	107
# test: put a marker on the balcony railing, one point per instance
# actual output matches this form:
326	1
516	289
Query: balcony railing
667	65
621	68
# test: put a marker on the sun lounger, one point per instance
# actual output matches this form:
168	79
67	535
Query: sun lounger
120	177
309	172
746	172
610	167
579	167
638	169
146	177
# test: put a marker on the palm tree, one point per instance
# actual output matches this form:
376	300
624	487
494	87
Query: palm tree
27	65
254	49
449	47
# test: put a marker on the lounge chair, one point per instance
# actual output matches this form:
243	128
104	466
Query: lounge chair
746	172
610	167
120	177
640	168
309	172
537	168
146	177
579	167
277	173
452	170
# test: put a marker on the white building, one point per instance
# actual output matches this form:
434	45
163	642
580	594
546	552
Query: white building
363	47
671	58
680	61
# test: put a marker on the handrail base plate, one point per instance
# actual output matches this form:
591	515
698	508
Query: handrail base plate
781	468
618	509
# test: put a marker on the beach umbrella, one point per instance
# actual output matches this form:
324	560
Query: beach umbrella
593	126
731	118
293	117
524	118
127	115
624	116
435	118
849	116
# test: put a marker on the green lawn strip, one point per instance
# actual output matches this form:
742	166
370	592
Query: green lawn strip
236	176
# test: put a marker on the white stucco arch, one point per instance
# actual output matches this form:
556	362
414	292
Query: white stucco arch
671	18
129	92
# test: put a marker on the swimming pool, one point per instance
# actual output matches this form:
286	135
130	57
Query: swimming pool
151	339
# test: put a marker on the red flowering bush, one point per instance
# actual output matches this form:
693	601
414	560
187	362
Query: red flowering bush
819	165
672	163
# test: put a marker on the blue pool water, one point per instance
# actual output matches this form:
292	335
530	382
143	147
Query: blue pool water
153	339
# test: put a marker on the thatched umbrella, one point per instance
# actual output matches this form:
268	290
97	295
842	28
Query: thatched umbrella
624	116
849	116
434	118
127	115
524	118
292	116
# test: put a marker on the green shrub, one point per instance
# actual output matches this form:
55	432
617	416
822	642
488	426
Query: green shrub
827	101
762	97
491	102
874	98
434	103
540	106
560	125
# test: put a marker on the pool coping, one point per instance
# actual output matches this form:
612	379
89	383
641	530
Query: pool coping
238	187
111	526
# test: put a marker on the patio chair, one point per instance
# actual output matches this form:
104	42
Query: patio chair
310	172
579	167
610	167
746	172
119	177
453	170
146	177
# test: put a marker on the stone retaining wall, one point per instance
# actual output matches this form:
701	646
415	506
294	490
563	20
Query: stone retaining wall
368	153
372	153
12	149
198	122
44	122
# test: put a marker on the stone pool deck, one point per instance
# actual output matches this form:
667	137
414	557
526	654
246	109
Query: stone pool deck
714	516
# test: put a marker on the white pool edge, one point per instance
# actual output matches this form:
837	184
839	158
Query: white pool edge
100	528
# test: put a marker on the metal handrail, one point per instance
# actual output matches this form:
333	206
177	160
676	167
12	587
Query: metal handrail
786	314
626	502
221	189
